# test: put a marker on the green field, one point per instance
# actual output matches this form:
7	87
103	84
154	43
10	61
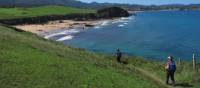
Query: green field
28	61
10	13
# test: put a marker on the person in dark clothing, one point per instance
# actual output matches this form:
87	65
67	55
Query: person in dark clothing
170	68
119	55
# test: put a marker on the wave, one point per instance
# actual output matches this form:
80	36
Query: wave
66	32
68	37
121	25
127	18
125	23
101	23
97	27
115	22
122	20
105	23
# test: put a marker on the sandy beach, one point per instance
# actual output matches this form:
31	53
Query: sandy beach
55	25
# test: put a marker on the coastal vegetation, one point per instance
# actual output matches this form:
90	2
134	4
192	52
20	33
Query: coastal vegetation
95	5
27	60
20	12
112	12
39	15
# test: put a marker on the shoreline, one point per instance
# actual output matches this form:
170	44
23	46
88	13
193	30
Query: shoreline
42	29
53	27
50	26
67	24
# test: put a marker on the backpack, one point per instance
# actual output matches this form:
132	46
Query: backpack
172	66
119	54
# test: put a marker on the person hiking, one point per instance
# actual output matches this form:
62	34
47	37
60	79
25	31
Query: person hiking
170	68
119	55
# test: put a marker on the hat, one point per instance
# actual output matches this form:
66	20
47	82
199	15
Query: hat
170	57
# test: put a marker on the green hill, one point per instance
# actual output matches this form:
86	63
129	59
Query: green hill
10	13
28	61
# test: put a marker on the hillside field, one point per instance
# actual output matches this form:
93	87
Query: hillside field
28	61
11	13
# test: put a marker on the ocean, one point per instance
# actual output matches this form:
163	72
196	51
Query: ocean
152	35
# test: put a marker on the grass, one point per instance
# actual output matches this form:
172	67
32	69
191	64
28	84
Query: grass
184	76
11	13
28	61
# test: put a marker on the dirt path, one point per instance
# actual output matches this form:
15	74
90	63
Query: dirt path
151	77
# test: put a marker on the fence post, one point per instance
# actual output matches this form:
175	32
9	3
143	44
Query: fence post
194	62
179	61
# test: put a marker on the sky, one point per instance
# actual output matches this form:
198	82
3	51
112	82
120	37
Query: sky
147	2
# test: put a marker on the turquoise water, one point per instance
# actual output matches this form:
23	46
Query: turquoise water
153	35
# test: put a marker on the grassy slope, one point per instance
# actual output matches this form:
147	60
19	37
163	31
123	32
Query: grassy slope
184	76
10	13
27	61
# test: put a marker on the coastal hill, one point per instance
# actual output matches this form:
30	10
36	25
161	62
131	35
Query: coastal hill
95	5
27	60
29	3
43	14
22	12
112	12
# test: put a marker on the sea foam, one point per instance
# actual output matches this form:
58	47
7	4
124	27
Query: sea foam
105	23
121	25
68	37
125	23
97	27
66	32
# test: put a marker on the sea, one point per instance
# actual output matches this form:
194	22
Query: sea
151	35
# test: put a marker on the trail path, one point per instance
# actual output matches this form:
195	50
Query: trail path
154	78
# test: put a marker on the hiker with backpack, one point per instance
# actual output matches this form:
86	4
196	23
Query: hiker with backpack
119	55
170	68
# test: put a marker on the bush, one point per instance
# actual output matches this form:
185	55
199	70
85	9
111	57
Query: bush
112	12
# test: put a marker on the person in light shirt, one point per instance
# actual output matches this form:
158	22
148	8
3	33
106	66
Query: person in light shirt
170	69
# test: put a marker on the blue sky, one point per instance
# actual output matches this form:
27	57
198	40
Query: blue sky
148	2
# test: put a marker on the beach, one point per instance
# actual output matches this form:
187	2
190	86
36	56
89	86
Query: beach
41	29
